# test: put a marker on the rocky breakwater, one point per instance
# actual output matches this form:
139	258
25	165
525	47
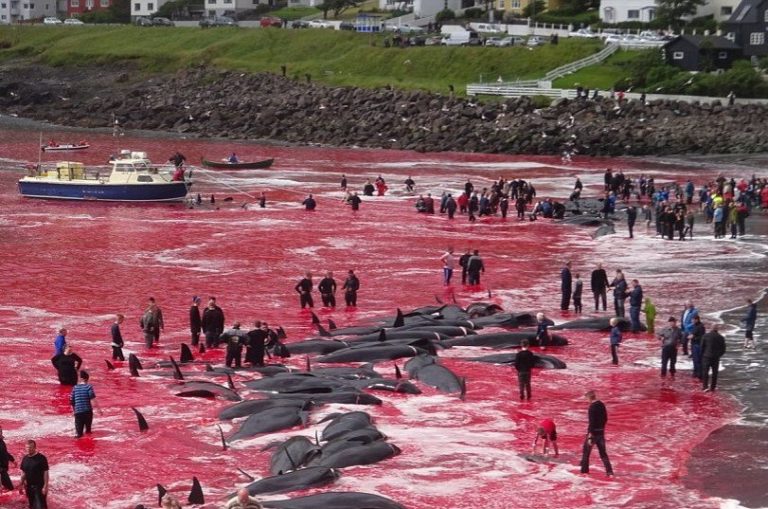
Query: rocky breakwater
212	103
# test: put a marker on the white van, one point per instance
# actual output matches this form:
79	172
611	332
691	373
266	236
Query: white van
465	38
488	28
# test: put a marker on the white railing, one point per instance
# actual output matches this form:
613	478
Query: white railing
509	90
580	64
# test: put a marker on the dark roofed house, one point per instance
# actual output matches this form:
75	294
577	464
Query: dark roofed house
701	53
747	27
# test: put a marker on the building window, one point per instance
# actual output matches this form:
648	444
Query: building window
514	4
726	11
211	1
75	3
25	6
678	55
136	7
2	6
723	55
151	7
227	1
31	6
765	16
756	39
633	14
104	3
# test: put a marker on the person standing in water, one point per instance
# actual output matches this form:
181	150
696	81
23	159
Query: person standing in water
80	399
598	418
117	339
304	289
449	263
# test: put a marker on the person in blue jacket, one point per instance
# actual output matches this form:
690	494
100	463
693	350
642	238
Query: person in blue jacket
619	285
749	324
60	342
635	303
615	340
686	323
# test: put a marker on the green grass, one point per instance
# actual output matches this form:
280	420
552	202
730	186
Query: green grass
291	13
602	76
334	57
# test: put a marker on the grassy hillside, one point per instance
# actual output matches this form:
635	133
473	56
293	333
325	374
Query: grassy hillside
334	57
602	76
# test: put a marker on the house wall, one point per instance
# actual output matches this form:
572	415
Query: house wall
145	8
621	11
13	11
77	7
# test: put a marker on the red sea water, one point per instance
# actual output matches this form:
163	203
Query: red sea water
76	264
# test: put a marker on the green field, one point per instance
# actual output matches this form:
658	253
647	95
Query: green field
602	76
333	57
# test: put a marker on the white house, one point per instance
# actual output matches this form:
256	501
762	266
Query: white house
145	8
621	11
423	8
13	11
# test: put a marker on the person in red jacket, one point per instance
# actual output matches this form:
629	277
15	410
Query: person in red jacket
548	433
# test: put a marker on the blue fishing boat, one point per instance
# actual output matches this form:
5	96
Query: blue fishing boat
131	177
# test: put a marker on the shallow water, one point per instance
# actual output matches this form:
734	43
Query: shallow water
75	264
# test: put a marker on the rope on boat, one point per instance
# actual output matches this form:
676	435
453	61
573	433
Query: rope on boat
207	173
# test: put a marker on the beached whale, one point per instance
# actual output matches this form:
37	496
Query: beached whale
542	361
335	500
505	339
349	396
254	406
291	454
357	454
375	352
425	369
270	420
343	423
203	389
300	479
321	346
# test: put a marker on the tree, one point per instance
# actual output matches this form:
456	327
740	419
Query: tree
671	12
120	11
337	6
578	6
534	8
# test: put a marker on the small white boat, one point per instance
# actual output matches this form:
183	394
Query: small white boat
63	147
131	177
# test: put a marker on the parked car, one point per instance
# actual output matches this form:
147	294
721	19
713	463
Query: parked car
319	23
218	21
143	22
346	25
270	21
403	28
493	41
534	41
436	40
51	21
583	32
299	23
73	21
503	42
162	22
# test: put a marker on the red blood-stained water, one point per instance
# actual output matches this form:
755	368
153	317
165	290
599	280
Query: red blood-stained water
76	264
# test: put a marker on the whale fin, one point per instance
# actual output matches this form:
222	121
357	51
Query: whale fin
186	354
382	335
453	298
398	373
176	371
161	491
201	348
489	293
322	332
332	324
110	366
399	319
281	333
309	366
294	466
196	495
143	426
463	394
230	383
246	474
223	442
317	439
315	319
134	364
438	299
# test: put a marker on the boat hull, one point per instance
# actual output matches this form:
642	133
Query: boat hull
165	192
253	165
63	148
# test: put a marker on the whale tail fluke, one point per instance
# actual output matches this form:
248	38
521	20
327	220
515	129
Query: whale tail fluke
143	426
332	324
110	366
161	491
186	354
176	371
223	441
196	495
134	364
399	319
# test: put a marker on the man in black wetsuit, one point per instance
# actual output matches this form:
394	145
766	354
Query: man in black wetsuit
67	364
5	459
195	320
309	203
712	348
475	266
351	286
304	289
598	418
464	263
327	289
212	323
524	362
34	477
117	339
235	339
257	337
566	286
631	218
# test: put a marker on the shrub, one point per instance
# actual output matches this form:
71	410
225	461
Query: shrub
445	15
473	13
